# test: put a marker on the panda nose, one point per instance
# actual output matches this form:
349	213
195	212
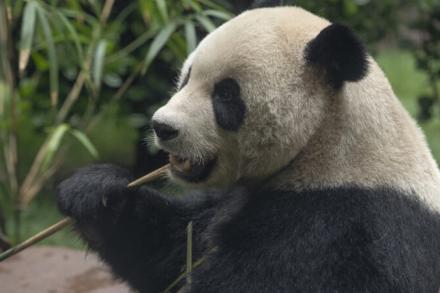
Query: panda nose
164	131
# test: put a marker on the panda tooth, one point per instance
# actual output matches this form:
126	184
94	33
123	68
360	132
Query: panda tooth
172	159
181	164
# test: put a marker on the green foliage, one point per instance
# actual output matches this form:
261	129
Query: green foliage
426	49
408	82
75	59
373	20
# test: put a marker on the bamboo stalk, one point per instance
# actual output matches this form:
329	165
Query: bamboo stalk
189	254
106	10
184	274
8	104
67	221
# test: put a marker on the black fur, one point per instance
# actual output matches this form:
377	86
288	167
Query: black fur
333	240
139	232
340	53
266	3
229	108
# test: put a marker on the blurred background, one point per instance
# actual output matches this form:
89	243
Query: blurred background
79	80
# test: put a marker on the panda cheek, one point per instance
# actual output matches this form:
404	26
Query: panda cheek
229	116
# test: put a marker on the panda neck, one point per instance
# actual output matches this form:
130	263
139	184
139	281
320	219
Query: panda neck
365	141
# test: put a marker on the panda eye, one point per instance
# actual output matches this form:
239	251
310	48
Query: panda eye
185	79
229	108
226	91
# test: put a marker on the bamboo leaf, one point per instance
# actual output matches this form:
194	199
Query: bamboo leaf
53	62
131	47
163	10
206	23
81	16
27	35
4	103
96	5
73	34
177	45
158	43
53	144
147	8
191	37
195	6
126	12
218	14
85	141
98	63
214	5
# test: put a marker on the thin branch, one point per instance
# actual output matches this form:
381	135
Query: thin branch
72	97
33	171
7	74
106	10
128	82
37	185
117	96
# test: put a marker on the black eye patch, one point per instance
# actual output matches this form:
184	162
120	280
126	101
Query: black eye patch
186	79
229	108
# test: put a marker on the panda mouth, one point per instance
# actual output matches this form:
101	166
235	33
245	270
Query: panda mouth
189	170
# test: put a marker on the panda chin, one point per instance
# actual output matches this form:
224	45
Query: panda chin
191	171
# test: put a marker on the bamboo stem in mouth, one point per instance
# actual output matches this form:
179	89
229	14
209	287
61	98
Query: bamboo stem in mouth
149	177
68	221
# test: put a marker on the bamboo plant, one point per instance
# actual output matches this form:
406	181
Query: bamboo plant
63	62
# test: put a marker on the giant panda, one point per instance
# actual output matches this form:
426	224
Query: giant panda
305	172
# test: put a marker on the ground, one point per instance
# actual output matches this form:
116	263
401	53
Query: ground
46	269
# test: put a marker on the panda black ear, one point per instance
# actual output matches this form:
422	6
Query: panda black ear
340	53
266	3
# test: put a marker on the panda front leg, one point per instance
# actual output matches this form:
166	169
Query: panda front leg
139	232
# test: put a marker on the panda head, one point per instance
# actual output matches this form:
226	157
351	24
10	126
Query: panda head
253	93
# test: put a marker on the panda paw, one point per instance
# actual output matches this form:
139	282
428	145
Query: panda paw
93	192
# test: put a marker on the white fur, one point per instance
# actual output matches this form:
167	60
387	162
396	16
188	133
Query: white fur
297	134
